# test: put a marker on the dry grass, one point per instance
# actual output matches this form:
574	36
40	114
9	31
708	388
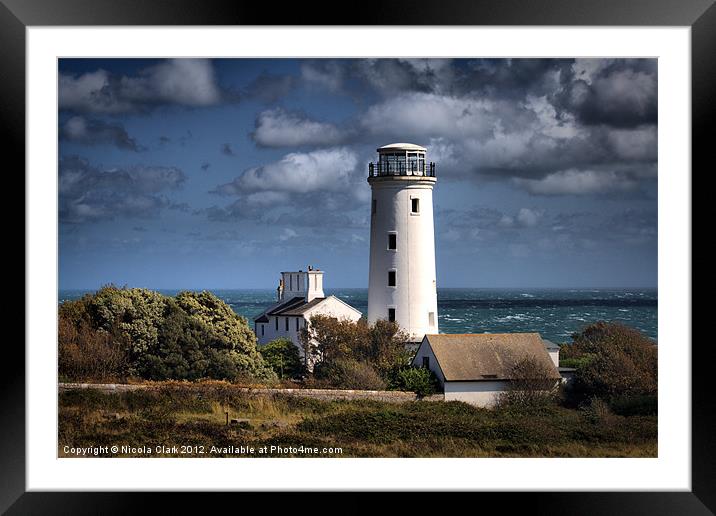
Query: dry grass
186	414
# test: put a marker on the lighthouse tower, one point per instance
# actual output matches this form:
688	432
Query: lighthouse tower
401	283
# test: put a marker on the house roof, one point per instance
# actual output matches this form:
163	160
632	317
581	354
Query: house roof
487	356
301	308
296	307
550	345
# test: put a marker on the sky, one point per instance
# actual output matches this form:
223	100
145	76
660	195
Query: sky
210	174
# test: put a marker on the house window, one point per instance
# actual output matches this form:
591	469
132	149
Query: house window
431	319
392	241
391	314
373	207
262	329
391	278
426	362
297	319
290	282
286	323
276	323
415	208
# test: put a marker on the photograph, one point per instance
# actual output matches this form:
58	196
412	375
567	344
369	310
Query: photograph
392	257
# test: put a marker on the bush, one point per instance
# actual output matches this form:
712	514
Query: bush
635	405
330	343
283	357
420	380
191	336
621	363
88	353
532	384
347	373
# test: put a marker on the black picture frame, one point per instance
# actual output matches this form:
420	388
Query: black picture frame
700	15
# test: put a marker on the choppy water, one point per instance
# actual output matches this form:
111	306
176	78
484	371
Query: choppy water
554	313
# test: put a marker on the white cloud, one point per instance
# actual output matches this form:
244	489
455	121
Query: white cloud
299	172
278	128
528	218
187	82
577	182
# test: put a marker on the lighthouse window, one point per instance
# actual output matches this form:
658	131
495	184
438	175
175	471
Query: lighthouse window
415	205
391	314
431	319
392	241
373	207
391	278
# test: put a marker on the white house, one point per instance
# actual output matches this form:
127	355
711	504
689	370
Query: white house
401	277
476	368
553	350
300	297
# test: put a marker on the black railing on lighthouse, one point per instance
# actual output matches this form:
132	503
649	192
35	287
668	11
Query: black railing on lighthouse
386	168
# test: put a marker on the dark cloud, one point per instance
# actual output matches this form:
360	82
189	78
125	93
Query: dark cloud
269	88
86	131
227	150
183	82
87	193
618	93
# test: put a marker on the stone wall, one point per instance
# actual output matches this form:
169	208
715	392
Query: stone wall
320	394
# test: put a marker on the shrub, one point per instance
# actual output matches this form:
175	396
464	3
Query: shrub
191	336
635	405
622	363
381	345
420	380
532	384
283	357
347	373
87	353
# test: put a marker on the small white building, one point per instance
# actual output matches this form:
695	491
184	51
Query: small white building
553	350
300	297
476	368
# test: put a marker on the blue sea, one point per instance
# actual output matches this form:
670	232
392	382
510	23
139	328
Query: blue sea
554	313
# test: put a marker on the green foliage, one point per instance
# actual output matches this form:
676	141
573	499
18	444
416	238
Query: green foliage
283	357
363	428
420	380
333	344
533	386
618	362
347	373
635	405
576	362
191	336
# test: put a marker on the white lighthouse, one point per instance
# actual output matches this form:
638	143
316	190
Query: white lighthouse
401	284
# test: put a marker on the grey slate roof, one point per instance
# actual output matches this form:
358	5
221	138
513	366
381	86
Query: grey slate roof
296	306
550	345
487	356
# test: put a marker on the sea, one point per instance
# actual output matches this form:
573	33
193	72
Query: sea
554	313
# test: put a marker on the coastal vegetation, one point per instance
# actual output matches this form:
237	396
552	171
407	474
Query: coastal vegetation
120	333
196	414
615	364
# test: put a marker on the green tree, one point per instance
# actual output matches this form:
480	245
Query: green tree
284	358
191	336
622	362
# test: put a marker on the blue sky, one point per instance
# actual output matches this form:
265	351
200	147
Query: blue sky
220	173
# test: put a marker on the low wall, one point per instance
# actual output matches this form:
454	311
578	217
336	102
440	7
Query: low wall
320	394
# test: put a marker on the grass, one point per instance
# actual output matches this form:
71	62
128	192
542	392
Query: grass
195	415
